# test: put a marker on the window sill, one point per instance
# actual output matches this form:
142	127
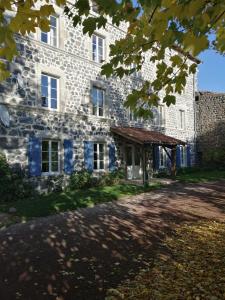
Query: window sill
46	174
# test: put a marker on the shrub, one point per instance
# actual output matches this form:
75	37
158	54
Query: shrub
80	179
214	157
84	179
12	185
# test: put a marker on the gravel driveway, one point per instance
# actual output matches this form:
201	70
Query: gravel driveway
79	255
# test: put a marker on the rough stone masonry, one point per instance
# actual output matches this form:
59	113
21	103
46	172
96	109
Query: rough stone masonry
71	62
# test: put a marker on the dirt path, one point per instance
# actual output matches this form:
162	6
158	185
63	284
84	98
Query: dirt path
79	255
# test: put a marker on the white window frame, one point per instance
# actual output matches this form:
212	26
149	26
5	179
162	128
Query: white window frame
97	107
98	160
97	58
183	156
182	119
163	153
49	91
50	172
94	7
49	34
161	116
132	117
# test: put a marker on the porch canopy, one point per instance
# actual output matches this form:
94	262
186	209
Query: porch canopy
144	138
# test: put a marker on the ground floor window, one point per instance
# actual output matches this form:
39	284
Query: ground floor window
183	156
50	157
162	157
99	161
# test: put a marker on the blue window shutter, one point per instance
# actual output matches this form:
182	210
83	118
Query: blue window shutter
112	157
68	156
188	156
178	156
89	155
34	156
156	157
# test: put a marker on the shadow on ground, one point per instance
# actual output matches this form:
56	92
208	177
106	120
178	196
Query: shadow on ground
78	255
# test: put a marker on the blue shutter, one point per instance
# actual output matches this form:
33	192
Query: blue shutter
112	157
178	157
188	156
68	156
156	157
89	155
34	156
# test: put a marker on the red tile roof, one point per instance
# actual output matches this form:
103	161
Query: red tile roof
144	136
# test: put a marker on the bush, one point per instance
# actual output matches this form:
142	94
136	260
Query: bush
214	157
81	179
84	179
12	185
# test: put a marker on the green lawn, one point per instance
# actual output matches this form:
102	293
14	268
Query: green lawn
200	175
54	203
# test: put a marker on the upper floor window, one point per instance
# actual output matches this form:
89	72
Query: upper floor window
49	91
181	119
132	116
159	116
98	48
51	37
94	7
99	161
50	157
98	99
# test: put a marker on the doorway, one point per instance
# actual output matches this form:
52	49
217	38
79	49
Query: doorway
133	162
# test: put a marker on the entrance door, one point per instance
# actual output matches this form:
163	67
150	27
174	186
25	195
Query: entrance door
133	162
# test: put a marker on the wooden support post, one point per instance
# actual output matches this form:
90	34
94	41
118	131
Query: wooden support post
144	165
173	160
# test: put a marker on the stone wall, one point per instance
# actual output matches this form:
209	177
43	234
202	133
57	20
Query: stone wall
72	63
210	119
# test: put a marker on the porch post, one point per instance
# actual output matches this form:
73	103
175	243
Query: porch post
173	159
144	165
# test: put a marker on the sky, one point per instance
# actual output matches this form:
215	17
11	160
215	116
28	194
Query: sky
211	76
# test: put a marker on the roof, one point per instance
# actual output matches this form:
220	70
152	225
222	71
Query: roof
144	136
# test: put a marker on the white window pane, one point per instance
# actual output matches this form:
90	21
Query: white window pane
44	37
53	21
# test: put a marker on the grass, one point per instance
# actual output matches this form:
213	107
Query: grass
45	205
200	175
194	267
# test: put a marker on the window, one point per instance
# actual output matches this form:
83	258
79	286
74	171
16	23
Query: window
181	119
50	157
162	157
95	7
132	116
49	91
98	99
99	163
51	37
183	157
159	116
98	48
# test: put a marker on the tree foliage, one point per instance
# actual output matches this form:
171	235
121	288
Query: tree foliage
21	17
155	28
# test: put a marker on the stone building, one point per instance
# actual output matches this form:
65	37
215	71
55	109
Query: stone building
210	121
62	110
